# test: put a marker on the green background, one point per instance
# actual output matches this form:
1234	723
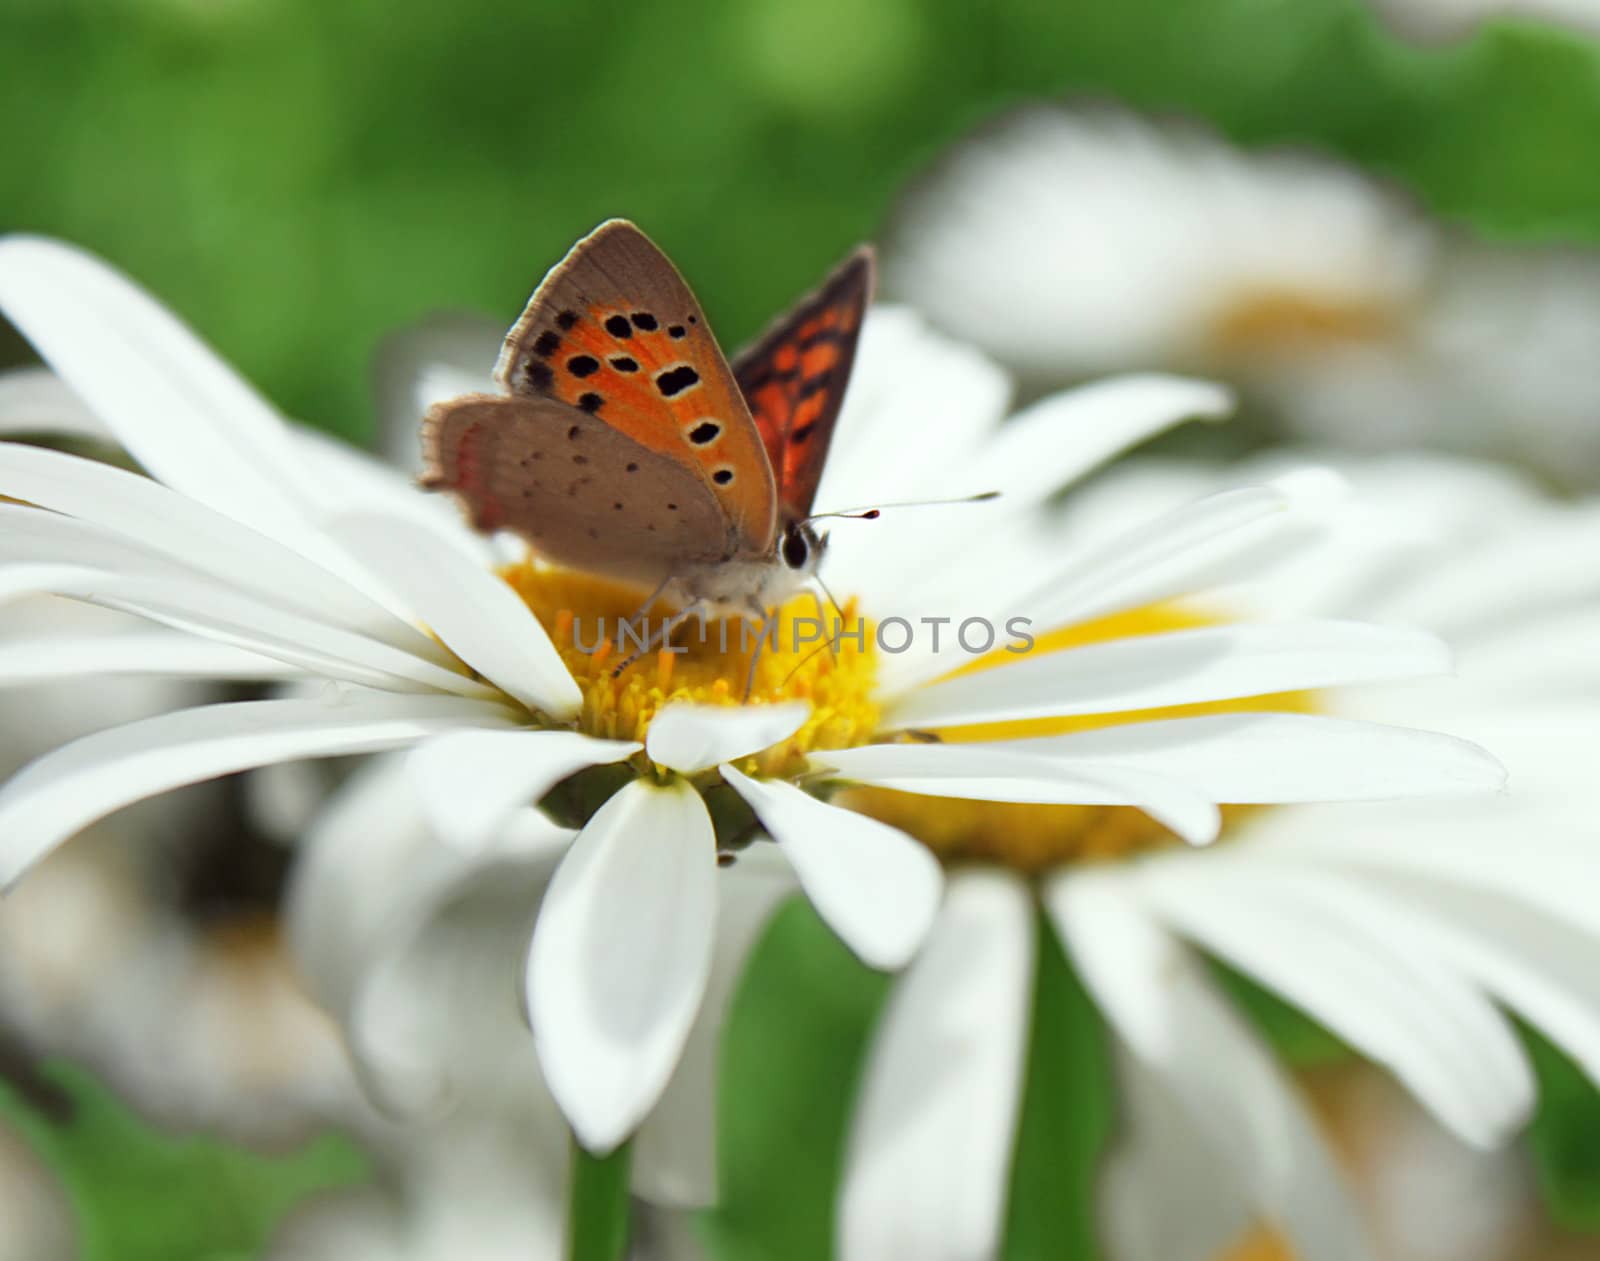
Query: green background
297	176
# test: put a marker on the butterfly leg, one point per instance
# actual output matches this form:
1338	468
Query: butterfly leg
766	617
822	616
696	609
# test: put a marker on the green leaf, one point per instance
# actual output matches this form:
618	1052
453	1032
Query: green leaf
1565	1137
597	1226
791	1055
1066	1118
139	1194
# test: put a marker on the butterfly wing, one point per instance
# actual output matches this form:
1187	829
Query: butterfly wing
794	378
614	331
583	493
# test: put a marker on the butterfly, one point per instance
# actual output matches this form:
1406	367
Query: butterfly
628	446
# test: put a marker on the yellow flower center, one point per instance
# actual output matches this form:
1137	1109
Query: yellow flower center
1274	320
1036	838
710	663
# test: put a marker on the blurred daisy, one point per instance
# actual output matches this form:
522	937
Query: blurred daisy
1069	242
1403	927
266	553
1452	19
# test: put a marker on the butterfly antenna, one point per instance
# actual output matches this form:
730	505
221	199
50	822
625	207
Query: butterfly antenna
873	513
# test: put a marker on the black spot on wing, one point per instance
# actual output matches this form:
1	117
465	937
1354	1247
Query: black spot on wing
590	402
618	326
546	344
677	332
538	375
645	322
706	431
676	380
722	476
567	319
583	365
623	363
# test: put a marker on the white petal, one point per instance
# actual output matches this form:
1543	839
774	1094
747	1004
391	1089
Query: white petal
172	403
472	781
1168	1194
1178	668
1533	963
346	480
244	621
1329	956
474	612
70	788
1269	757
691	738
36	400
1010	772
675	1150
872	884
416	946
1067	435
149	515
25	661
1157	998
1216	539
621	955
929	1154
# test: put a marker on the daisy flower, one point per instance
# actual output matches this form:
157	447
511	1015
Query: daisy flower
1405	928
264	553
1070	242
1440	20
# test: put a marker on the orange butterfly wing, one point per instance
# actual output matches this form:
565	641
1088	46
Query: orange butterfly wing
795	375
614	331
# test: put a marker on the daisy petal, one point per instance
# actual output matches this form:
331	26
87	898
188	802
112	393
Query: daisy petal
68	789
620	957
930	1143
476	614
1199	1212
1179	668
36	400
872	884
172	403
692	738
1216	539
675	1150
995	772
135	510
1157	998
1442	1038
24	661
1065	436
1271	757
472	781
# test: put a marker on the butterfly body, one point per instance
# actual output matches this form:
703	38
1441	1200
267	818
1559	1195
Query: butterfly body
626	445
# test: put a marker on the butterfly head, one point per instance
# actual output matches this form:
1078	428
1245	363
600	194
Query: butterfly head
800	548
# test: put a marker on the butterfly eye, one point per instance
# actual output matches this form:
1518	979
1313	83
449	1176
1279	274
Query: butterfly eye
796	549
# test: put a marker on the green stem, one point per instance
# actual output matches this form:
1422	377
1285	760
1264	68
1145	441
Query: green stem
597	1205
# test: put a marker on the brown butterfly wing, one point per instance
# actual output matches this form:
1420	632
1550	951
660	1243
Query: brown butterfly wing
794	378
584	494
614	331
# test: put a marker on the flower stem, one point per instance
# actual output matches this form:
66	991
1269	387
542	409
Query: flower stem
597	1205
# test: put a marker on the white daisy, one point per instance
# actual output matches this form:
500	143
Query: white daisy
1068	242
1403	927
268	553
1433	20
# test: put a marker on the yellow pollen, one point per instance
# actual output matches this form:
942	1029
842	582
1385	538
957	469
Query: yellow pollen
1037	838
1272	320
1261	1244
712	666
